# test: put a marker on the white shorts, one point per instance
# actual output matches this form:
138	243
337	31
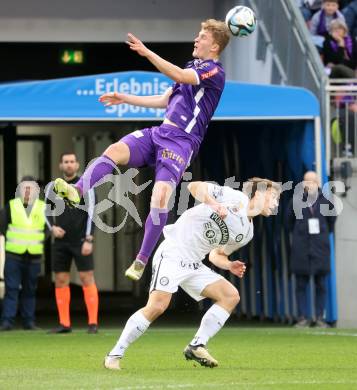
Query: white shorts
170	270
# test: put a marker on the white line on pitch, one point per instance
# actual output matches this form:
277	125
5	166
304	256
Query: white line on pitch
215	385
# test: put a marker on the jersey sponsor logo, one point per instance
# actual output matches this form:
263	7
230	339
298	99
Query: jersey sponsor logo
209	74
211	236
239	238
222	227
164	281
170	155
209	233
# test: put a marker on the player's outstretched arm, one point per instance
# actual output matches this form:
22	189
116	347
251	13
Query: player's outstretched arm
185	76
199	190
153	101
220	260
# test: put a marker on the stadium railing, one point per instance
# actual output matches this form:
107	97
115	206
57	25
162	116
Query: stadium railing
341	119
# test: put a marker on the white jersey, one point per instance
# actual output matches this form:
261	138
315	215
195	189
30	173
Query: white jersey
200	229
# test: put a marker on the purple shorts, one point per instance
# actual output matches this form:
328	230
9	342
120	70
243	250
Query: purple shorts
165	147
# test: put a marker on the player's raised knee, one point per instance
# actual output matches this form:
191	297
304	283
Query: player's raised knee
119	152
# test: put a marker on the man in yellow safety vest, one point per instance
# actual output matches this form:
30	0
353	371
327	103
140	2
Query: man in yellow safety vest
22	222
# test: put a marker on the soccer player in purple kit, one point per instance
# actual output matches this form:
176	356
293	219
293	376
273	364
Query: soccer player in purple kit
170	147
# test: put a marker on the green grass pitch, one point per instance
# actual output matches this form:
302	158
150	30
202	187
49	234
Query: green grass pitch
249	358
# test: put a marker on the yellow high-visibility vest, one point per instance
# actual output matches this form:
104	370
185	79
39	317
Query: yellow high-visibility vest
26	232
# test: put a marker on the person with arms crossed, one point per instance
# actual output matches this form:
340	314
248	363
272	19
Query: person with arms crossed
73	238
220	225
170	147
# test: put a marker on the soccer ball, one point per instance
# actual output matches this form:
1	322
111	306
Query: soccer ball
241	21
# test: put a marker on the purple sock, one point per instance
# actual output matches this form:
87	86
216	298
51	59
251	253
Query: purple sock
154	224
101	167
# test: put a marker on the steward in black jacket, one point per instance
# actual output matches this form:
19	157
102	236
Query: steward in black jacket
310	249
310	253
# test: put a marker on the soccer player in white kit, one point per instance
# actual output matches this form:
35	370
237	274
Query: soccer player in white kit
220	225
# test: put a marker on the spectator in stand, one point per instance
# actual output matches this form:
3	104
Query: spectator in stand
340	58
320	22
339	51
308	8
350	14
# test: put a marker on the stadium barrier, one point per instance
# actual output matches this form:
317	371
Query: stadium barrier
341	119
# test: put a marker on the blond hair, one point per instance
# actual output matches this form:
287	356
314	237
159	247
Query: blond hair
219	31
338	23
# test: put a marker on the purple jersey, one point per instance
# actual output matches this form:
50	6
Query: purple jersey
191	107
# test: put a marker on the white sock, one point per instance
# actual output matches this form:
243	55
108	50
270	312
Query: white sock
134	328
211	323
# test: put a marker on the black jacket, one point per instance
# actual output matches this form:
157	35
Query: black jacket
75	221
310	253
338	57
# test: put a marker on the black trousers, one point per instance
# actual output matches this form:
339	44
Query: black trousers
302	282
